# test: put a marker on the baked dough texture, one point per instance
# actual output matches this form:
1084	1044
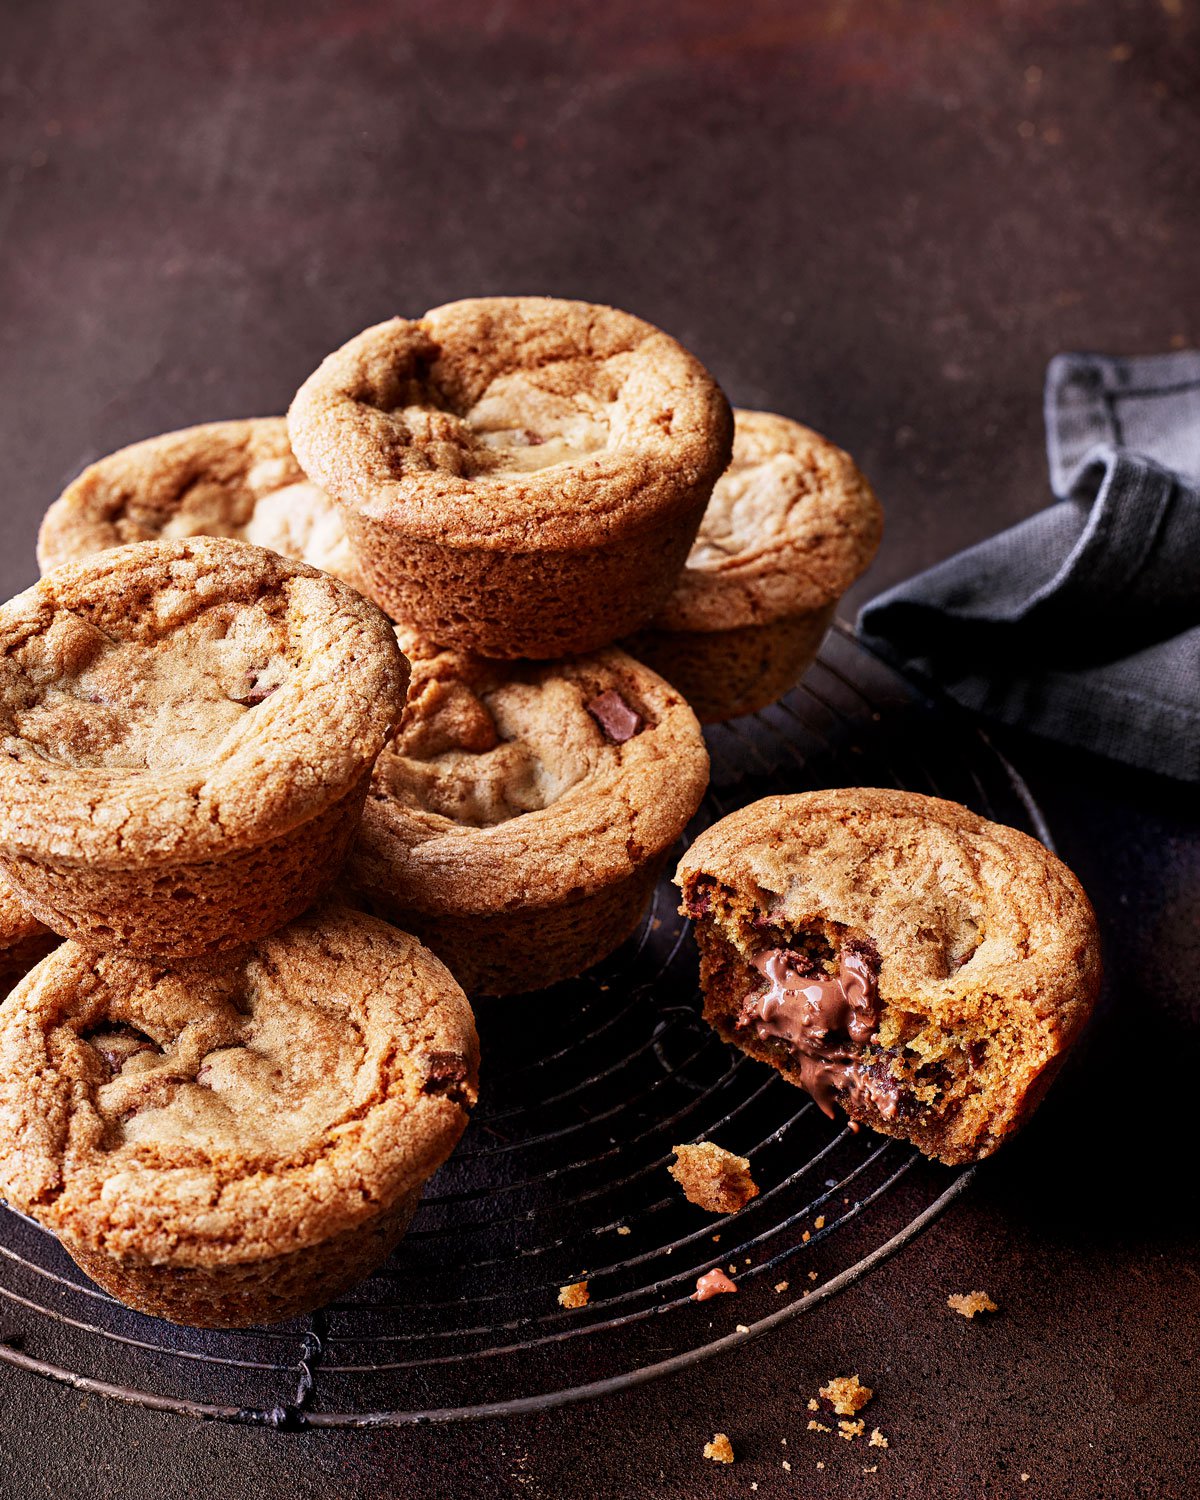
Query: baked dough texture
982	945
187	729
234	479
791	524
520	476
512	827
236	1139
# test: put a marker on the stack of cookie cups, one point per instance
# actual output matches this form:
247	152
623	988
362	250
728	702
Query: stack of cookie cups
222	1092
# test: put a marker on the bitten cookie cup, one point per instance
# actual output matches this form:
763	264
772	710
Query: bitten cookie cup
521	817
790	526
232	479
187	733
520	476
896	956
234	1140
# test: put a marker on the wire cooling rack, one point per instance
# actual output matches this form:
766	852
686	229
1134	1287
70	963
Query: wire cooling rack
562	1175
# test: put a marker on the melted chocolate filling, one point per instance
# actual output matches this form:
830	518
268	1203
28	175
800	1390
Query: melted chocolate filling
825	1021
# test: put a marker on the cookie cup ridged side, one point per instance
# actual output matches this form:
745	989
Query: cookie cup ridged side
520	476
540	897
188	730
234	1140
725	673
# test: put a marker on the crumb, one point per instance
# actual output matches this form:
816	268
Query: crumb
819	1223
846	1394
787	1466
733	1268
812	1276
713	1179
624	1229
575	1295
813	1404
711	1284
716	1239
781	1286
720	1450
820	1465
818	1427
877	1439
742	1328
874	1469
851	1430
1024	1478
970	1303
754	1484
805	1237
747	1260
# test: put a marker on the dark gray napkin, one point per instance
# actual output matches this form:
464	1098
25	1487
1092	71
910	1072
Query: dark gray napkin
1083	622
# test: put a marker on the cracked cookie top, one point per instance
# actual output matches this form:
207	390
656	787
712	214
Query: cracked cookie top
510	783
234	479
513	422
161	701
236	1107
790	526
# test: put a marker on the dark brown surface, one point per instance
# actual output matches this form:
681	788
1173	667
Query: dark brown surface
880	218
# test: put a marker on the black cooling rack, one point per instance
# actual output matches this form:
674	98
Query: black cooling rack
562	1175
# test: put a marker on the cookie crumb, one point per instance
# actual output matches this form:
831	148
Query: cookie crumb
1024	1478
846	1394
743	1328
712	1178
624	1229
814	1426
873	1469
575	1295
813	1404
819	1223
820	1465
805	1237
970	1303
787	1466
720	1450
711	1284
781	1286
851	1430
877	1439
812	1276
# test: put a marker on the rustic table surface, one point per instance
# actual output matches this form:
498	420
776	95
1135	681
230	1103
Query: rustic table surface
882	218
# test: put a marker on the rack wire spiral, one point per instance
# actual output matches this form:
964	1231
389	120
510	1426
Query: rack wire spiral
562	1175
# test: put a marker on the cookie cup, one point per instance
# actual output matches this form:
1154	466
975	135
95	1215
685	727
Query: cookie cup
519	476
188	732
238	1139
507	826
791	524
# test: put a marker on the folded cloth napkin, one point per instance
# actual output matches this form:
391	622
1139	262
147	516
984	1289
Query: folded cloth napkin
1081	623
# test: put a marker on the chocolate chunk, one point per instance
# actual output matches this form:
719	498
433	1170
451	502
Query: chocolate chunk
618	721
446	1074
256	692
117	1043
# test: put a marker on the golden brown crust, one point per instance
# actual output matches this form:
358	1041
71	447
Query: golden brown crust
24	941
791	524
427	424
234	479
171	701
989	959
227	1112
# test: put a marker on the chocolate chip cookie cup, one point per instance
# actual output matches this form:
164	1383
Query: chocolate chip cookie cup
233	479
521	817
187	730
790	526
897	957
519	476
238	1139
